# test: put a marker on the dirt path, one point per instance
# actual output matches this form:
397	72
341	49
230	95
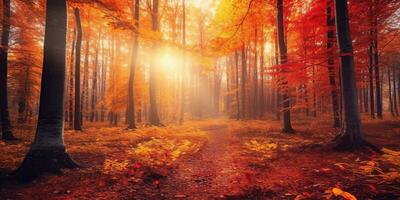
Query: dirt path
212	173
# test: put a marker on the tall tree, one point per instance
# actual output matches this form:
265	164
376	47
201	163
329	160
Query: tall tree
331	61
131	98
154	119
287	126
48	153
182	111
351	136
77	114
4	113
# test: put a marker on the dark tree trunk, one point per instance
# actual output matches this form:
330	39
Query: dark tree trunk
70	87
131	92
47	153
154	118
93	112
262	90
243	82
77	114
377	75
351	137
371	84
287	126
396	111
256	110
390	93
4	113
331	62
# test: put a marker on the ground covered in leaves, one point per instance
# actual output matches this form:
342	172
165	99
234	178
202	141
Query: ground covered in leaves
213	159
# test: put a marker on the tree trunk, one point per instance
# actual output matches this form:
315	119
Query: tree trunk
131	89
390	93
237	85
93	113
85	92
47	153
4	113
154	118
77	119
256	109
70	87
243	82
287	126
351	137
331	61
182	111
377	75
396	111
371	84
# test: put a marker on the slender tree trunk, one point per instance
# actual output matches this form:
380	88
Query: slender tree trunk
377	75
93	114
47	153
262	90
131	89
182	111
154	117
371	84
331	62
390	93
256	110
77	119
4	113
85	92
396	111
238	116
71	83
243	82
287	126
351	136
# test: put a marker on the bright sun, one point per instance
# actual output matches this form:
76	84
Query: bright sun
170	62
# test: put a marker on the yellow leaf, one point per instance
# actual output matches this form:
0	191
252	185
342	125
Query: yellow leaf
345	195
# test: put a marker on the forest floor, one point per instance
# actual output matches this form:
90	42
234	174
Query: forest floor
214	159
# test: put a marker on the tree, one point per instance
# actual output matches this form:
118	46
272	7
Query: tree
287	126
77	114
154	119
331	61
4	113
182	111
351	137
48	153
131	99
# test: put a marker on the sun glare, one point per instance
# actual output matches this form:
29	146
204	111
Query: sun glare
170	62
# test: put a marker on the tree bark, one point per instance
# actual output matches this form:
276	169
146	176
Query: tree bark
396	111
351	136
371	84
377	75
182	110
154	118
47	153
237	85
287	126
4	112
77	114
243	82
331	61
390	93
131	89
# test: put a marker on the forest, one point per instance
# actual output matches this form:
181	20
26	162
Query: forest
200	99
